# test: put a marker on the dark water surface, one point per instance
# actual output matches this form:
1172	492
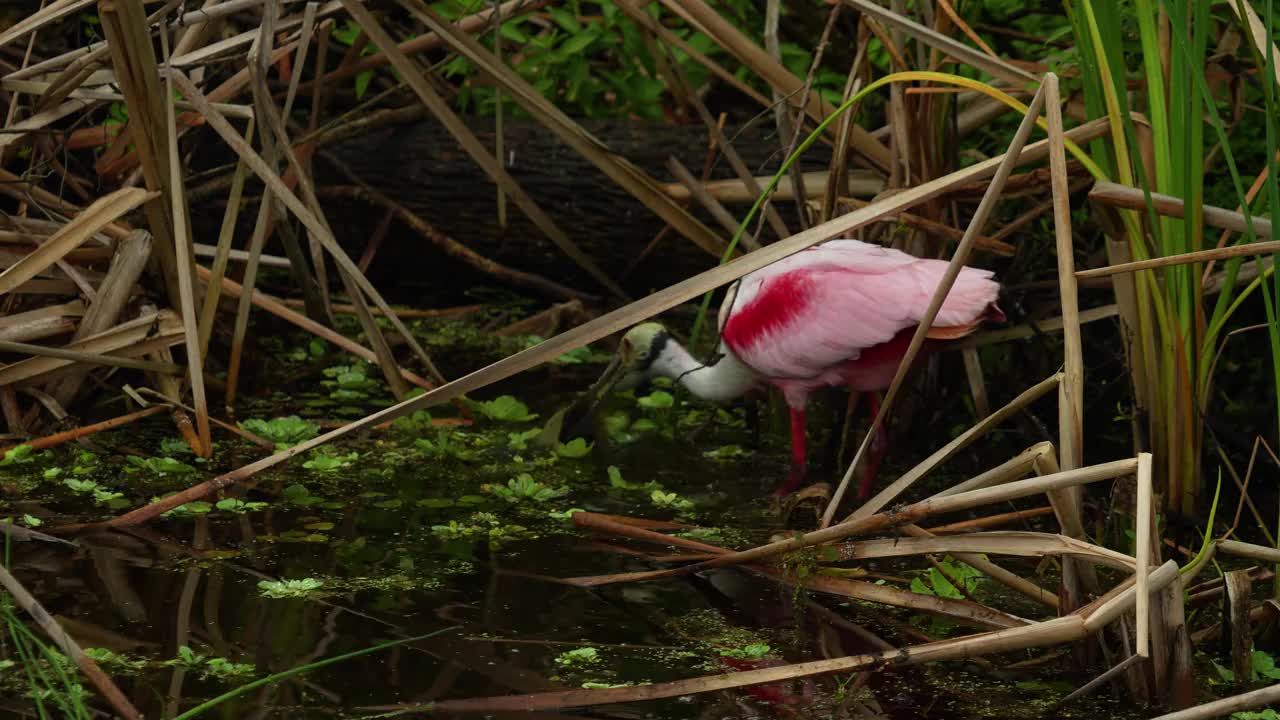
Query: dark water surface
407	539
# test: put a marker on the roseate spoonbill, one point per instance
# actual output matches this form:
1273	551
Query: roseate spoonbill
839	313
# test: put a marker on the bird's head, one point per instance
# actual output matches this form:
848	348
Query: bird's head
632	364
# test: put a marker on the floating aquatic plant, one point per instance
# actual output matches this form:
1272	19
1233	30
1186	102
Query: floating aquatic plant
283	431
506	408
161	465
523	487
575	448
328	462
578	657
278	589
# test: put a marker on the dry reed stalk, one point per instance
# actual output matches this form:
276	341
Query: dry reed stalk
222	253
42	322
1249	550
862	183
300	210
126	268
990	521
404	313
617	168
1015	468
1051	325
958	259
1143	521
1227	706
977	383
698	192
67	436
897	487
608	323
1246	250
1236	618
1078	580
129	339
185	268
995	66
128	37
47	15
75	233
89	358
1132	198
1017	543
1071	390
100	680
982	242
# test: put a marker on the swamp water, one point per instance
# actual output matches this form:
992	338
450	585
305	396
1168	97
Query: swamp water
432	524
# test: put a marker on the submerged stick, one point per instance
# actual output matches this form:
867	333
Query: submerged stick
100	680
77	433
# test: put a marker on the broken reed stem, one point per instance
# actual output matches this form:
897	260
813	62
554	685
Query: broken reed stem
989	521
222	253
100	680
1071	390
1143	532
1015	468
76	433
958	258
184	267
91	358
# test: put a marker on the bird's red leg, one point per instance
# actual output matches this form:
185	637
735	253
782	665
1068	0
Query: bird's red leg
796	476
879	446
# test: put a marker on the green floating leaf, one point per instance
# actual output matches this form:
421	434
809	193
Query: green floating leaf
278	589
657	400
506	409
575	448
283	431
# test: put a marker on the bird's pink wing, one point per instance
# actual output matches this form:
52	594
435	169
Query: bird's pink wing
823	306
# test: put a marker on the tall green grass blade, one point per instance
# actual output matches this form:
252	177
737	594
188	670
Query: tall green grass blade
237	692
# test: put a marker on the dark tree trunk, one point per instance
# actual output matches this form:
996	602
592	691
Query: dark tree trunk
423	168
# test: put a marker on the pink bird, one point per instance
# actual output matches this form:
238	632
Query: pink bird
839	313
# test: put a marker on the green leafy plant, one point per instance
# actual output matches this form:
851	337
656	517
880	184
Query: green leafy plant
279	589
328	462
670	500
575	448
578	657
17	455
505	408
161	465
283	431
238	506
211	667
754	651
523	487
346	34
1262	665
935	582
